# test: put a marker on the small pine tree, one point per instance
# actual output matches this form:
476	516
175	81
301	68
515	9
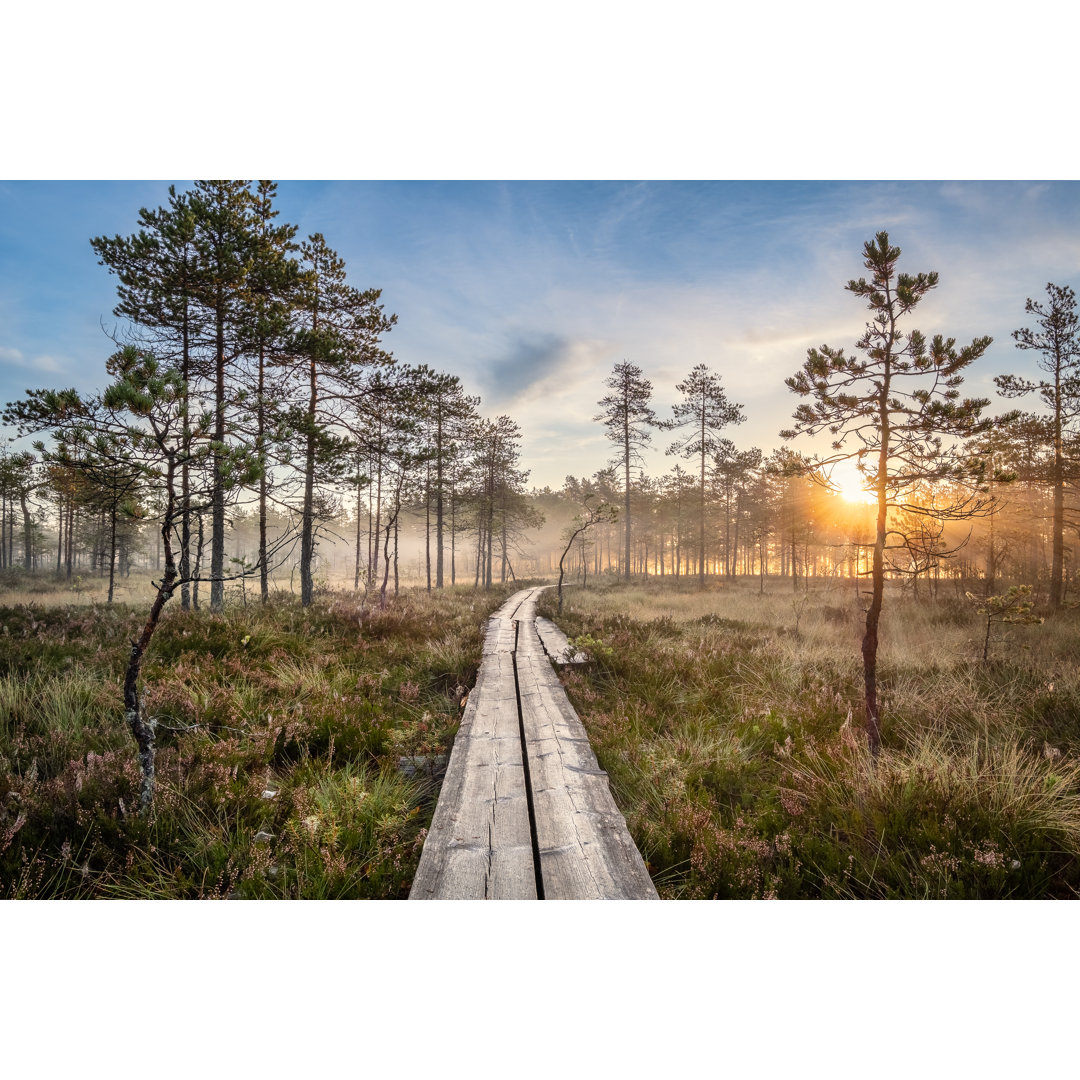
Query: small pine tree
1014	607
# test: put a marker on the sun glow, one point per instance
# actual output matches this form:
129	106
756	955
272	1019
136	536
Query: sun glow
850	484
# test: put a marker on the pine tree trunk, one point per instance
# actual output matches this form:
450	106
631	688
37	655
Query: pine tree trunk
143	727
11	530
873	614
260	443
378	507
59	532
439	498
701	548
372	536
69	553
185	477
112	554
479	553
197	572
307	538
735	542
1057	566
502	549
490	528
355	578
626	484
185	537
3	529
28	533
453	536
386	568
217	497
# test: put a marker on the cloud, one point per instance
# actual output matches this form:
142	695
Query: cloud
47	363
15	358
527	361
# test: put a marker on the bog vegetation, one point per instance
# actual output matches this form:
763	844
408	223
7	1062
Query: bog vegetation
814	680
729	723
297	746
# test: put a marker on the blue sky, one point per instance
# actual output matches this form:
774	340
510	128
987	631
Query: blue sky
531	291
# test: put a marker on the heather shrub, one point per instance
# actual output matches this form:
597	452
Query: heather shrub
280	731
734	746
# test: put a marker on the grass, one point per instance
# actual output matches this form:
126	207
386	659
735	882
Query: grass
728	722
280	732
730	725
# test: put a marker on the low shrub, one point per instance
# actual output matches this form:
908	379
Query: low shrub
280	732
737	755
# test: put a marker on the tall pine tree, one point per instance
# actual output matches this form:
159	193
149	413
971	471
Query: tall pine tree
890	409
337	334
705	411
627	417
1058	342
227	244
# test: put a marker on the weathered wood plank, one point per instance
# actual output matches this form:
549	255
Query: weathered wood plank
556	644
479	845
482	843
585	849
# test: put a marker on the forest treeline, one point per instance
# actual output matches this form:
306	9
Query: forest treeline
301	449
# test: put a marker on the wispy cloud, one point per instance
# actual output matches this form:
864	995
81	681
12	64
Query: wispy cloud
49	365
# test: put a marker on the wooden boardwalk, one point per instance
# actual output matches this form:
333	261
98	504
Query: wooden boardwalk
525	812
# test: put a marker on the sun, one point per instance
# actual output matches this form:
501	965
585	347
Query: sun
850	484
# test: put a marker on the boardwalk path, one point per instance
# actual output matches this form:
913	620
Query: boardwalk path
525	812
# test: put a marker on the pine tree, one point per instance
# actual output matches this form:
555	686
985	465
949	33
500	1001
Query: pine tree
226	241
627	417
497	480
706	410
272	289
158	271
335	340
732	472
18	478
889	410
145	408
1058	342
446	411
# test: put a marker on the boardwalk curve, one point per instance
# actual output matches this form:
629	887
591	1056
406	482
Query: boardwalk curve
525	811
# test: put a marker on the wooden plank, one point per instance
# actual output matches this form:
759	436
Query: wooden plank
586	851
479	845
556	644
